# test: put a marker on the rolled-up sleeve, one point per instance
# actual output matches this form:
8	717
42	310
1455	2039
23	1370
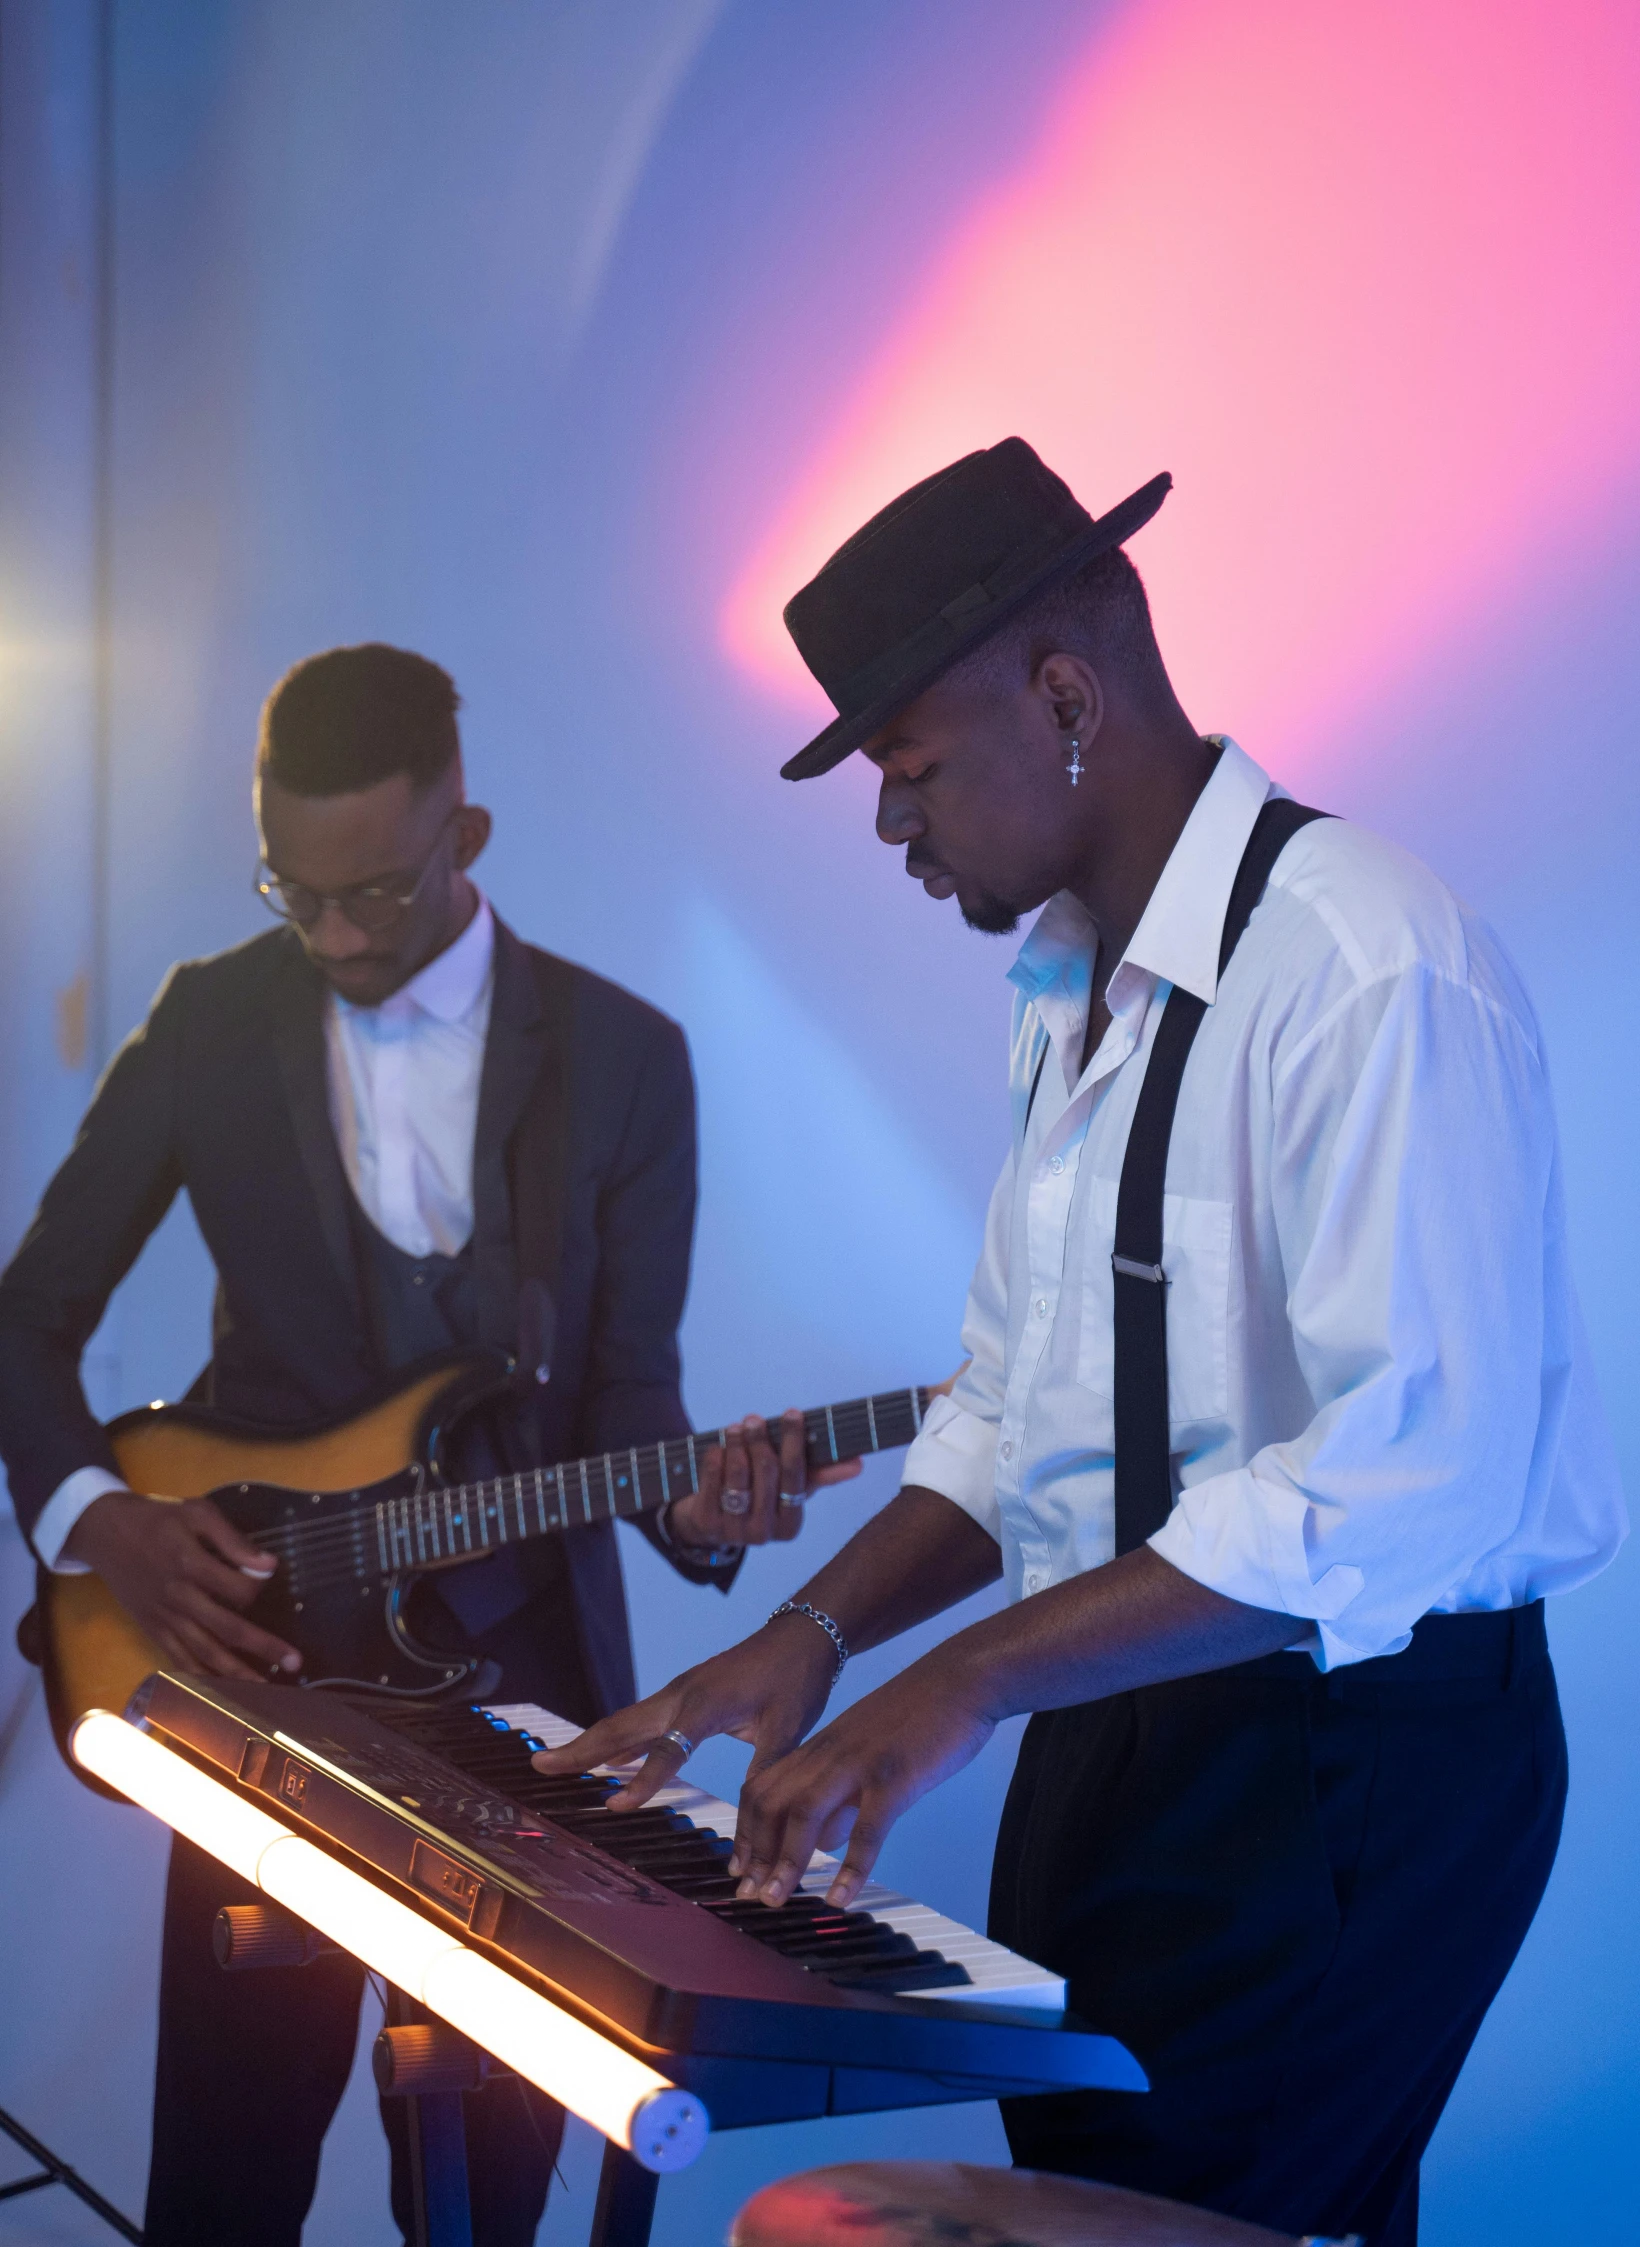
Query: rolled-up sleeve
1431	1315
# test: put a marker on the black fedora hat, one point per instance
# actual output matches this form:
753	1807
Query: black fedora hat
936	572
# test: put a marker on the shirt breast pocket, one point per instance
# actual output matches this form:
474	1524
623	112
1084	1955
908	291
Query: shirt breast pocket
1196	1242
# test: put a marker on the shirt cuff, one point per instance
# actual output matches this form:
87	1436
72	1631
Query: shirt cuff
956	1455
1244	1537
62	1510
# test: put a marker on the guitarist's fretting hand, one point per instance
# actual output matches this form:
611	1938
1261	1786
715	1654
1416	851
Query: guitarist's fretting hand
184	1573
742	1482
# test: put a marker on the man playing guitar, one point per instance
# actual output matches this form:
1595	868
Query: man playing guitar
402	1131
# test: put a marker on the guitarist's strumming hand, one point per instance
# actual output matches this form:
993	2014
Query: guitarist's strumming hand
751	1493
185	1574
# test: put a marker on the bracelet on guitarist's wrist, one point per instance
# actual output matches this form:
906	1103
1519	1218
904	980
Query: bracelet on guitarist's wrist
832	1630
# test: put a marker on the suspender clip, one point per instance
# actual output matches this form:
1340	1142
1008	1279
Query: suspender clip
1135	1271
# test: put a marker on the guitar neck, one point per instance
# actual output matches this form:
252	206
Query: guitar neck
482	1517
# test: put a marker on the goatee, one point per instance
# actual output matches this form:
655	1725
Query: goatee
992	916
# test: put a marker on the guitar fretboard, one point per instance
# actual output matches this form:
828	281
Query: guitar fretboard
465	1520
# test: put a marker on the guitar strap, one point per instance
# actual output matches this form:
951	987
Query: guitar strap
1144	1469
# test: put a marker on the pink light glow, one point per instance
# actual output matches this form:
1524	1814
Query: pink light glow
1364	279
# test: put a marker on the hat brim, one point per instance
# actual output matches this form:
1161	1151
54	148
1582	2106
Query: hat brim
844	735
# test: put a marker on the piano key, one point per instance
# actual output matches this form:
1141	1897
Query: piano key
997	1976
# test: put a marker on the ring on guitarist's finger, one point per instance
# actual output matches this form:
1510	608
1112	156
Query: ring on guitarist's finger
684	1745
737	1501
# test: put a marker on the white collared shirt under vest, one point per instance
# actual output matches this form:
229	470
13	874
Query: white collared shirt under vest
403	1081
1380	1393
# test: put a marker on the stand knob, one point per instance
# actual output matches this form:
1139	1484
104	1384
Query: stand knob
249	1935
419	2059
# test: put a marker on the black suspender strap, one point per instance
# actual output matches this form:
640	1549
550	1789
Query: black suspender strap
1144	1470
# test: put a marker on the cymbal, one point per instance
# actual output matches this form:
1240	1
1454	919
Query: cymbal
953	2204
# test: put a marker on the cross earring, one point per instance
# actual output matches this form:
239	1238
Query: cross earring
1076	762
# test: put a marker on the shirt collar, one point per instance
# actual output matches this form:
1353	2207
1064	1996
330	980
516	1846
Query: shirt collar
453	981
1180	931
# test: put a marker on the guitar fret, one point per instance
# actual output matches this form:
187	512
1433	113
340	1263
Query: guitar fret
540	1505
831	1434
586	1494
666	1487
518	1504
609	1483
637	1486
381	1539
871	1422
449	1522
694	1471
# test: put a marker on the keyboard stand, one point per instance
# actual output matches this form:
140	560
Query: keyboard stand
437	2129
626	2200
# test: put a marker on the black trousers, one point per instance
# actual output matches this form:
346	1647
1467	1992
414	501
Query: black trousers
251	2067
1293	1896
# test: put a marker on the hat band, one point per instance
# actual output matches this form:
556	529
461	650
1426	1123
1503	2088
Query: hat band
951	629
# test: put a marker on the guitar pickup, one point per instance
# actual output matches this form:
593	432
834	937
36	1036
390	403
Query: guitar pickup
456	1887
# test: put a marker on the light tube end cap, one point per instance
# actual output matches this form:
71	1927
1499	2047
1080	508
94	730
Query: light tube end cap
668	2129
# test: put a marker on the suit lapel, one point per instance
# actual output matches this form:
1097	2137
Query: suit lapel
299	1047
517	1053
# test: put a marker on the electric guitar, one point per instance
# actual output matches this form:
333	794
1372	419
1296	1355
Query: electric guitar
356	1510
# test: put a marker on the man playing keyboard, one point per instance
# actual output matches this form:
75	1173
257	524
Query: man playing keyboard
1279	1422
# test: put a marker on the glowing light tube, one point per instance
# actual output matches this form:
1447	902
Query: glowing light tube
660	2125
664	2127
195	1806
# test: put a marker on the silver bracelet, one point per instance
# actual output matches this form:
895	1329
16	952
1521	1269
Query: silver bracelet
815	1615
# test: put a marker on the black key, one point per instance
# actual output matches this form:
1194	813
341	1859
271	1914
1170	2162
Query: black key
926	1971
840	1949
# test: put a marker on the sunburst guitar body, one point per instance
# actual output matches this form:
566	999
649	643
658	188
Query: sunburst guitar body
297	1493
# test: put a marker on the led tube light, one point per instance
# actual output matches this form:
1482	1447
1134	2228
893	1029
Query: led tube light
662	2126
194	1805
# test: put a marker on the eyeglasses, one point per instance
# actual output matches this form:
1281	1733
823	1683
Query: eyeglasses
371	906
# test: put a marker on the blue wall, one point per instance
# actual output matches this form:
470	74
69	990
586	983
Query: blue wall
493	331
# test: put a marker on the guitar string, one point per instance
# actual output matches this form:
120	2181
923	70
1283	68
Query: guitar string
339	1562
310	1535
305	1545
301	1540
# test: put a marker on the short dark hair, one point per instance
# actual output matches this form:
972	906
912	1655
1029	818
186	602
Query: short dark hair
351	717
1100	612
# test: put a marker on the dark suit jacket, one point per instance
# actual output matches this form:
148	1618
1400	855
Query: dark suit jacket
584	1198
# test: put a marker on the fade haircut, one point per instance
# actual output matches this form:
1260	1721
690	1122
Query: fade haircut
351	717
1100	613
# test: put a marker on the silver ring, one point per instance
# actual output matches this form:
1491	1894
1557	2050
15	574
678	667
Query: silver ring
684	1746
791	1497
737	1501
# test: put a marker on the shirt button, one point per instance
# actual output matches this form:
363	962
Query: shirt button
1006	1449
1057	1164
1034	1582
1042	1306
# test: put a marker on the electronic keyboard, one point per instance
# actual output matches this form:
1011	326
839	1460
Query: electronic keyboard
629	1919
956	1962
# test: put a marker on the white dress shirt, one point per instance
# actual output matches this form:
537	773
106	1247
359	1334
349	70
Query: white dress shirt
403	1080
1379	1388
